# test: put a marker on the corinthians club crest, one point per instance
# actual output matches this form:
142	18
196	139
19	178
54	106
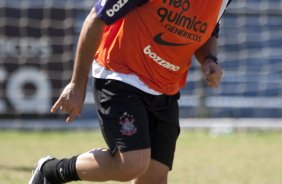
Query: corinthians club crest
127	123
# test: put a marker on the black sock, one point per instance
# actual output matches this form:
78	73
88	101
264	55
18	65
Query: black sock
60	171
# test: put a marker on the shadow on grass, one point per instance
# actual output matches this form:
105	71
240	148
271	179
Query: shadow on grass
16	168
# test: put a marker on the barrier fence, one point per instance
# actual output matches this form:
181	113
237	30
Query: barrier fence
37	44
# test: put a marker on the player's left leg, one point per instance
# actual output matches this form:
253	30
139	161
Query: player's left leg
163	137
156	174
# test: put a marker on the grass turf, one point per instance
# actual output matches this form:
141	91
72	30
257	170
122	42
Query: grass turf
201	158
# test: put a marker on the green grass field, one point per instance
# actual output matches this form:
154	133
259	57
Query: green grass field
237	158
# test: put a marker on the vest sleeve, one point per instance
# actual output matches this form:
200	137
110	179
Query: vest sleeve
216	30
110	11
217	27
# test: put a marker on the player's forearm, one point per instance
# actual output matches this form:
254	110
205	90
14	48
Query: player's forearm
88	43
209	48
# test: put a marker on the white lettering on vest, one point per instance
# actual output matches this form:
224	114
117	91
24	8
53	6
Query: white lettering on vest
116	7
147	50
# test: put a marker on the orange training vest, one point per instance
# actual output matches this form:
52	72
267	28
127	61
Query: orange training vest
156	41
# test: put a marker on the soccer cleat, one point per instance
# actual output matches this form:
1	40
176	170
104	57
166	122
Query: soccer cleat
37	176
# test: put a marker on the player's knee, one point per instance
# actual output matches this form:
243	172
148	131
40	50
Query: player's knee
161	180
133	167
131	171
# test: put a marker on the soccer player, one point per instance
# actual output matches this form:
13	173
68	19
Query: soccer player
142	52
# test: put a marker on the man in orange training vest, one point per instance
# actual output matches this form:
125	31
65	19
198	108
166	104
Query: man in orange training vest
142	52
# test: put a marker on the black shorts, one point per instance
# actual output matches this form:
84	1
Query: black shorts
131	119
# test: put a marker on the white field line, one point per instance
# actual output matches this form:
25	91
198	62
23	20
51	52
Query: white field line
224	124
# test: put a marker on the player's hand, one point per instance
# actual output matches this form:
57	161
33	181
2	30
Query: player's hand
212	73
70	101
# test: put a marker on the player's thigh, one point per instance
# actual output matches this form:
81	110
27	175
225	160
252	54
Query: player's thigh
122	115
157	173
163	138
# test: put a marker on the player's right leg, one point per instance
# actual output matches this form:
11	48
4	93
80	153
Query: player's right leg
96	165
124	124
100	165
